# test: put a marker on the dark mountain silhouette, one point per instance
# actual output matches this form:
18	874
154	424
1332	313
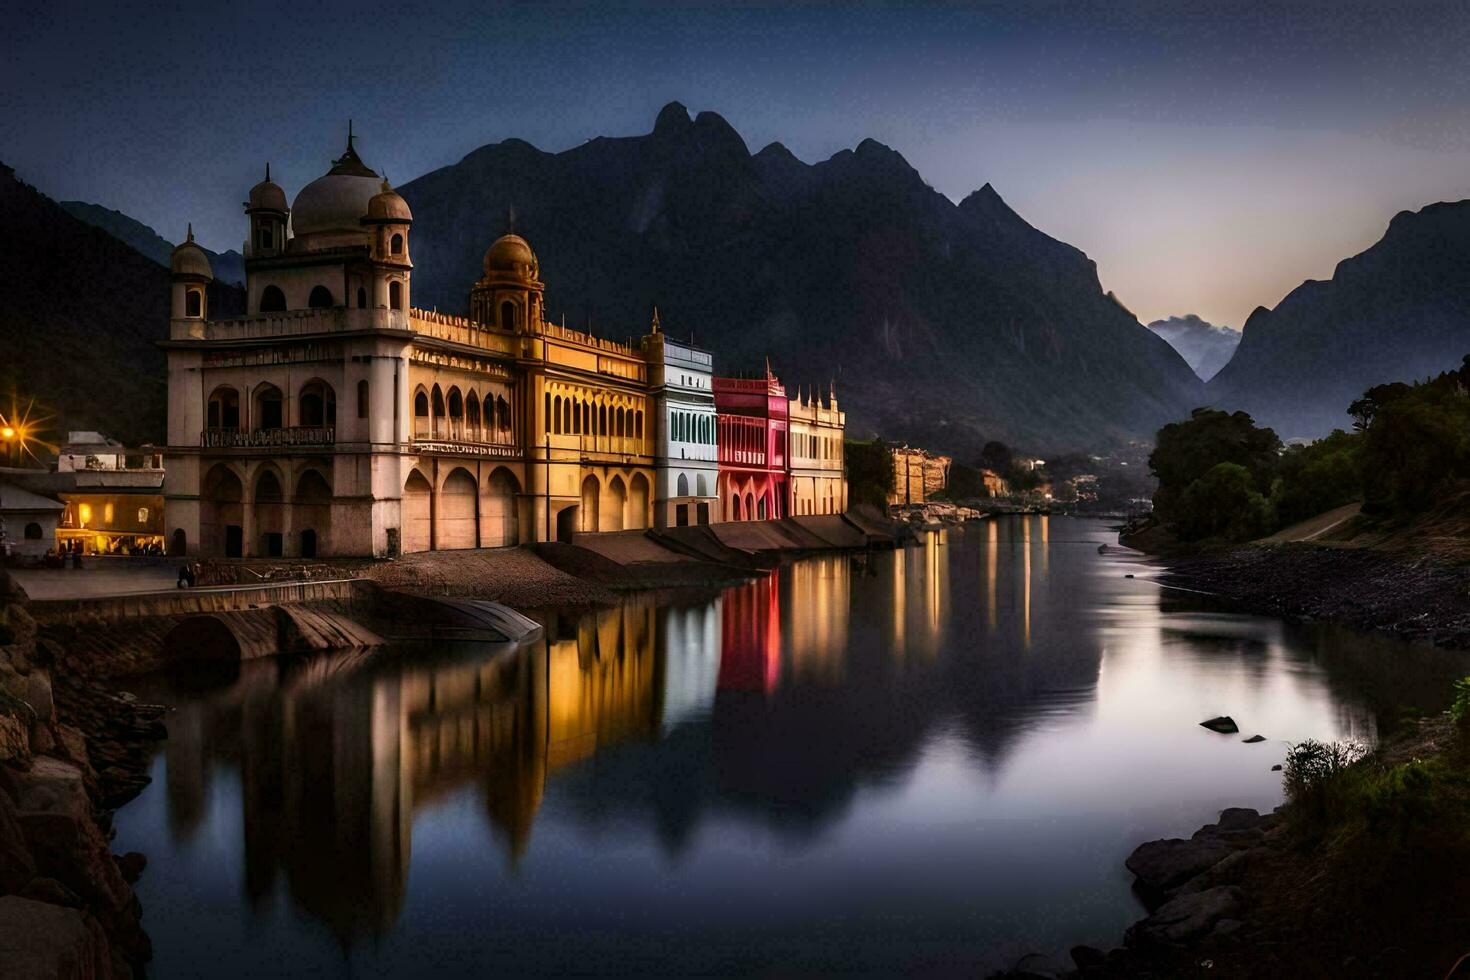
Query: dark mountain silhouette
1397	312
943	324
228	266
1205	347
82	320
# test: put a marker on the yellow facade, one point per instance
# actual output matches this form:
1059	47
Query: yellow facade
818	483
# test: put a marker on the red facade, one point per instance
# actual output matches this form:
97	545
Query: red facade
752	436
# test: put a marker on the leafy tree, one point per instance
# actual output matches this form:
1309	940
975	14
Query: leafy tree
997	456
1318	477
1416	443
1223	504
1185	451
869	471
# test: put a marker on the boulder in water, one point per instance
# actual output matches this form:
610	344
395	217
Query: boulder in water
1224	724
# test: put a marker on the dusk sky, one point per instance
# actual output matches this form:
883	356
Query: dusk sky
1209	157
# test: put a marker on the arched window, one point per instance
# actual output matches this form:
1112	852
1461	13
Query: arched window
361	298
546	416
472	415
618	427
263	238
268	407
421	413
566	416
587	417
556	415
317	404
437	404
577	418
194	302
602	420
224	409
683	489
395	295
272	300
320	298
362	399
507	315
33	531
502	413
638	430
395	246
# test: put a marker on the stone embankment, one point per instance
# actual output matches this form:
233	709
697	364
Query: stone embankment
70	753
1411	595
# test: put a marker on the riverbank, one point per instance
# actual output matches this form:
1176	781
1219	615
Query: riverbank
1364	874
1408	578
71	752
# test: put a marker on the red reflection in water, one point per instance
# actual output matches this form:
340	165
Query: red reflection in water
750	627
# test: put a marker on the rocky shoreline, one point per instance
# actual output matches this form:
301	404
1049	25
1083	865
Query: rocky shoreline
71	752
1415	596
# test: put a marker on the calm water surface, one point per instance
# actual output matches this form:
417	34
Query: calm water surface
932	760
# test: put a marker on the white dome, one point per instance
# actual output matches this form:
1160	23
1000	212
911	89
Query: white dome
338	200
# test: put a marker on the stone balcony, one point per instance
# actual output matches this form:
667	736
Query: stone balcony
286	436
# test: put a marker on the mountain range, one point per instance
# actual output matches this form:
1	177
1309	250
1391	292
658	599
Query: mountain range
1398	311
1205	347
228	267
942	324
81	322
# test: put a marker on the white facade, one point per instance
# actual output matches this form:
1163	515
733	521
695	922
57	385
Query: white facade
682	379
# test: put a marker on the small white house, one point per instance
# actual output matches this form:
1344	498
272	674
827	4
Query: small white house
27	522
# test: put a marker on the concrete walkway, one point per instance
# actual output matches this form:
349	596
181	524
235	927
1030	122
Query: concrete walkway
97	577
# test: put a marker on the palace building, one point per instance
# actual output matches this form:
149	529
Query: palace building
818	481
752	438
682	380
334	418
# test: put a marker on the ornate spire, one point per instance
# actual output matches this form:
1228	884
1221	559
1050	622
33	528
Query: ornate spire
349	135
190	236
267	171
510	219
655	319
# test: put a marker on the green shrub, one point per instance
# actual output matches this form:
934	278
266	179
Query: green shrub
1317	776
1460	709
1398	802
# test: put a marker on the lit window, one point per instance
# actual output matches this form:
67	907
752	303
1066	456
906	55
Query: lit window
142	515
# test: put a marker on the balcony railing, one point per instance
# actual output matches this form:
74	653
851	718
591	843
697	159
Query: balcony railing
299	435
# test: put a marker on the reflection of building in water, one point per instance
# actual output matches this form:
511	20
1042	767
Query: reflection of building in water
336	754
750	645
689	649
816	617
602	684
992	546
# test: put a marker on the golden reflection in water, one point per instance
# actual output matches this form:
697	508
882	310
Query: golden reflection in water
1045	544
1026	582
932	544
817	617
991	548
899	606
335	757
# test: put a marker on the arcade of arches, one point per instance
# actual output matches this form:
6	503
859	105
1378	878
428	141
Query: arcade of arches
463	512
263	510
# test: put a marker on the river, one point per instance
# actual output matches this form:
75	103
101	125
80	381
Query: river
929	760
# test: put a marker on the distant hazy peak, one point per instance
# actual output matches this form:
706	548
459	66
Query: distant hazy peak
1205	347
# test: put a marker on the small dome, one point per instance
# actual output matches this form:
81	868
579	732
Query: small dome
387	205
188	259
511	255
267	195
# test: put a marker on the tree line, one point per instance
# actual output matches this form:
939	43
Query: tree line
1222	478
